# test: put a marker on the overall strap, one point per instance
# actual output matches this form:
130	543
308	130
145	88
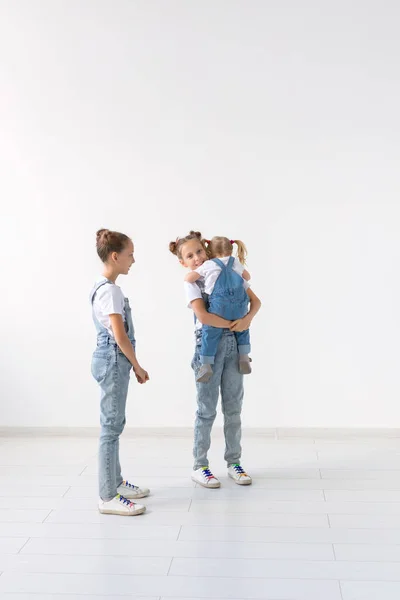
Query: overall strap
219	263
97	287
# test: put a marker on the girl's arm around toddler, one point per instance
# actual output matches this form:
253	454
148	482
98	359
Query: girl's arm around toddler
244	324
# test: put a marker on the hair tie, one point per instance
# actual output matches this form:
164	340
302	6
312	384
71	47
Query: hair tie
232	241
207	241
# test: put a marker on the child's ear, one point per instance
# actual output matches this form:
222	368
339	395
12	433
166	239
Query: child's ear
182	263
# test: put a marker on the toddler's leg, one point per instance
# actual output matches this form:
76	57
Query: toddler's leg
244	348
210	340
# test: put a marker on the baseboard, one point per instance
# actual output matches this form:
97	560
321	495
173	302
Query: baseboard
277	433
337	432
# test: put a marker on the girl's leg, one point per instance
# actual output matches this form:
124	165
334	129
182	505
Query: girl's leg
207	400
118	473
114	390
231	401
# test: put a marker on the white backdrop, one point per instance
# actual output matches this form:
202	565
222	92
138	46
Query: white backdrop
276	122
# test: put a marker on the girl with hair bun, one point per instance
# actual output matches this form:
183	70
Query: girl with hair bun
112	362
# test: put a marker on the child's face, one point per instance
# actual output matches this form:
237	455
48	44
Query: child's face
193	255
125	259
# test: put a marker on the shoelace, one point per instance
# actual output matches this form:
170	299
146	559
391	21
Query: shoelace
208	473
130	485
239	470
125	500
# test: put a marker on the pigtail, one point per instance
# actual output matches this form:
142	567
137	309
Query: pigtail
207	247
241	251
173	247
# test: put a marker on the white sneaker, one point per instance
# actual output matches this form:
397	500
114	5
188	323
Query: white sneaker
120	506
204	477
238	475
128	490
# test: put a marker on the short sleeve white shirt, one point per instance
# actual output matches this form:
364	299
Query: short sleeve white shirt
109	300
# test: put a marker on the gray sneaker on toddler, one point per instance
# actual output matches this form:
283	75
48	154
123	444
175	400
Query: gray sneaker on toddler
244	365
205	373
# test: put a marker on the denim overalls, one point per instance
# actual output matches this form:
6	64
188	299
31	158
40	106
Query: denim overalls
111	370
227	379
230	301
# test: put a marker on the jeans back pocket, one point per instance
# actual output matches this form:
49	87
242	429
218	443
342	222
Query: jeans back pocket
100	362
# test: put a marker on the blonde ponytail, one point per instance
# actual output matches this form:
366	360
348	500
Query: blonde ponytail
241	251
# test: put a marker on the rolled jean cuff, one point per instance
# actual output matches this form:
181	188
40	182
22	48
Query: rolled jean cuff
245	349
207	360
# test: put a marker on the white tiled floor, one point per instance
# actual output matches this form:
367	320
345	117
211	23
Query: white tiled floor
321	522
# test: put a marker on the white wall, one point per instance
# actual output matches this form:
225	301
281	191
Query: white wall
273	121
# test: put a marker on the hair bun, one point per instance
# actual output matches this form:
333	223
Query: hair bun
172	247
101	233
108	241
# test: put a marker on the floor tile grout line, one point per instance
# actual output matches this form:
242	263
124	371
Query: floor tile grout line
208	577
47	516
233	515
22	547
207	557
170	565
66	491
291	543
334	552
239	542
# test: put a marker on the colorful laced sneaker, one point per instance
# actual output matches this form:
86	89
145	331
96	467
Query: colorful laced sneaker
204	477
121	506
238	475
132	492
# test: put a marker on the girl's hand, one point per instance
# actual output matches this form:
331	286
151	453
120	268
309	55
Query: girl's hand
141	375
241	324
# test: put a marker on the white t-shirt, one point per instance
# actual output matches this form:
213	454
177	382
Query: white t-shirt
193	292
109	300
210	271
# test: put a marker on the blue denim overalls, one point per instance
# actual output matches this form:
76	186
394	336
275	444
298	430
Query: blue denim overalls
230	301
111	370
